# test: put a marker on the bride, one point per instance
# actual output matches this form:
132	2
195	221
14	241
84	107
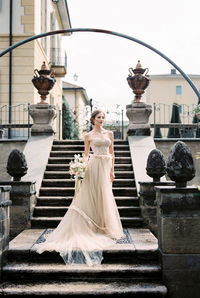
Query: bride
92	222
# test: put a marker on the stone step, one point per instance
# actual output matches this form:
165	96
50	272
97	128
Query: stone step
71	153
61	160
71	183
81	142
86	289
66	201
118	254
52	222
97	273
69	191
141	247
124	211
66	175
65	167
81	147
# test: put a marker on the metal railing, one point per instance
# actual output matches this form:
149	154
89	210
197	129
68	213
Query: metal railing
58	57
15	121
174	121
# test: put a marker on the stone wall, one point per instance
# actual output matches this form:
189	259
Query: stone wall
193	144
4	222
6	146
179	239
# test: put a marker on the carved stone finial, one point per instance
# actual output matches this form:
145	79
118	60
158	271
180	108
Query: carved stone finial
180	165
138	64
156	166
16	164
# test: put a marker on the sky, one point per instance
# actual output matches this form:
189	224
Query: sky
101	61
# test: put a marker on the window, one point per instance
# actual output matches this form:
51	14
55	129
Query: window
178	90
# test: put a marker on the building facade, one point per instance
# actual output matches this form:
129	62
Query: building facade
165	90
20	19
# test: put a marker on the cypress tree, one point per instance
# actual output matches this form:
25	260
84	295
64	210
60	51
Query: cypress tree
196	120
175	118
70	128
157	133
67	122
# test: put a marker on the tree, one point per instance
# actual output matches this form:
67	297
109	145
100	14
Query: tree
196	120
157	132
69	126
175	118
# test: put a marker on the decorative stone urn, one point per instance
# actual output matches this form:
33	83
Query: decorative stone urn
138	80
43	114
138	112
43	81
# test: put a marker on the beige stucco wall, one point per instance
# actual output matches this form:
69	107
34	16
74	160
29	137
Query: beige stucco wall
23	62
163	90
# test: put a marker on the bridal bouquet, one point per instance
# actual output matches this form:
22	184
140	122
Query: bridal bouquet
77	169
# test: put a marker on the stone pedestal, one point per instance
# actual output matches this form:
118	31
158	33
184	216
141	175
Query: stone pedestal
138	115
179	239
43	119
148	203
23	197
5	203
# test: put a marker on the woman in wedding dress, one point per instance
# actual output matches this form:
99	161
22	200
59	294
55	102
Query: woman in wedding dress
92	222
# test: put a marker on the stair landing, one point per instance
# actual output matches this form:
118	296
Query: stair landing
143	247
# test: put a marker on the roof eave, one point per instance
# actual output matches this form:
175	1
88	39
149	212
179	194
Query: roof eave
82	90
63	16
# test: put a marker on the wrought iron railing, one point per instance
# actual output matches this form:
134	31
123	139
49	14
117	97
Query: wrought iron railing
174	121
58	57
15	121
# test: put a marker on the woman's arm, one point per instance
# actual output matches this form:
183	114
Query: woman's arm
111	151
87	145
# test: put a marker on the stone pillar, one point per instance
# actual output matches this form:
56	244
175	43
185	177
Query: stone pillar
179	239
23	197
43	119
138	115
148	204
5	203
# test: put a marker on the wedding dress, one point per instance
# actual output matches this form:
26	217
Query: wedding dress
92	222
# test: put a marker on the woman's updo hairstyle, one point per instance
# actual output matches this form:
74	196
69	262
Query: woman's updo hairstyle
94	113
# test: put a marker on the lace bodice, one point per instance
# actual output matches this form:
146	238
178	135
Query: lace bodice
100	146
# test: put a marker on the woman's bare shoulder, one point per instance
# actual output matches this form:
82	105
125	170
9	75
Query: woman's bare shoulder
87	135
110	133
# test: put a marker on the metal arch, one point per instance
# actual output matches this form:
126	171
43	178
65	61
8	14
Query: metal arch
105	32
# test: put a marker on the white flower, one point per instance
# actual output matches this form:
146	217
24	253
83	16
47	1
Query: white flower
78	167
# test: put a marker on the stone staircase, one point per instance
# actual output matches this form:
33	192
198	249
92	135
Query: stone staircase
57	188
130	268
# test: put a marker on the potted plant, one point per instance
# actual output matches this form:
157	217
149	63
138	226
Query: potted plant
197	111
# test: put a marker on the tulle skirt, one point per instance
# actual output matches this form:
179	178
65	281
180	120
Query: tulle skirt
92	222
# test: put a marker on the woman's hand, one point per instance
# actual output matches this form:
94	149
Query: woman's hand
112	176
